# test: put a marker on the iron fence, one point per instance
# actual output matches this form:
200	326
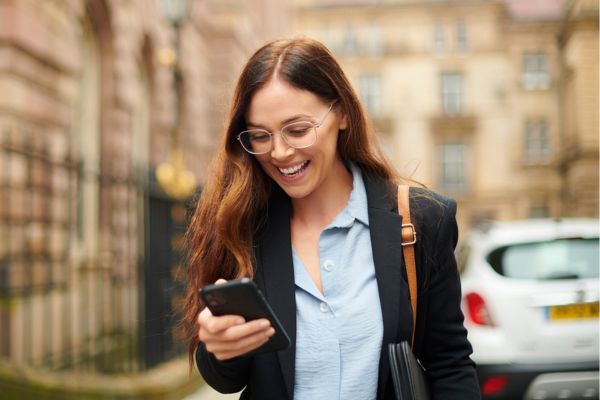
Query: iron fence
101	303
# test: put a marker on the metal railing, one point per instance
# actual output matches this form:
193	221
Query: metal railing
61	306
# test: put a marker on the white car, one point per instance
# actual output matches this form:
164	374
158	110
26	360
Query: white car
530	299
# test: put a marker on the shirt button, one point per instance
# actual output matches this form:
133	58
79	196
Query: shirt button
324	307
328	265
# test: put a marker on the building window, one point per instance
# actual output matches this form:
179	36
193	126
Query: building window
463	253
86	134
535	71
537	142
451	92
349	44
539	211
461	36
140	152
370	92
327	37
374	46
438	37
453	167
141	111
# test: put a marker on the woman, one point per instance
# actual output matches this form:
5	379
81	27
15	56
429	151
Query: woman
302	200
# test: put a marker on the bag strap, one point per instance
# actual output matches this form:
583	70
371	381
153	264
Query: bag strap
409	238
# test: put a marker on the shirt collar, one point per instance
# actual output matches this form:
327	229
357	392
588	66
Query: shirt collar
357	207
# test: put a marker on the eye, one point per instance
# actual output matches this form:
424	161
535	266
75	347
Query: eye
299	129
258	136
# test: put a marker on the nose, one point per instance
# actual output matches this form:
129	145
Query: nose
280	149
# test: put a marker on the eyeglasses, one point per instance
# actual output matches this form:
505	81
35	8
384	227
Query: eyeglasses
299	135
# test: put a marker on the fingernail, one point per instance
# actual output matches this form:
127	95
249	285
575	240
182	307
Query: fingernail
271	332
239	321
264	323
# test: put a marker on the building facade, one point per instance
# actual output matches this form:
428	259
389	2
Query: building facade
476	99
90	274
579	108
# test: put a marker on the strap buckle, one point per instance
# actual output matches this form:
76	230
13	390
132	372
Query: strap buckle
409	235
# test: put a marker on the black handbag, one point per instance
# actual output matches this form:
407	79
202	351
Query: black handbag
408	375
410	382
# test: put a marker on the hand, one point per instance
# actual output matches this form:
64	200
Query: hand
229	336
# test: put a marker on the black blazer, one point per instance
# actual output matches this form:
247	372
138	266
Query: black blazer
441	339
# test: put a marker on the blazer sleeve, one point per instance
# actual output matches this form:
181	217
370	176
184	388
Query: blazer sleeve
229	376
445	350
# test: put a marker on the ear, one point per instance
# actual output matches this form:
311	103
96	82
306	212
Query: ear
343	122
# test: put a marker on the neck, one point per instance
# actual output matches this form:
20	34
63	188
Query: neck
320	208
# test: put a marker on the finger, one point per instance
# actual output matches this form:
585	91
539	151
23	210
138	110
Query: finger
203	316
218	324
238	332
239	344
210	326
227	355
227	350
234	332
220	281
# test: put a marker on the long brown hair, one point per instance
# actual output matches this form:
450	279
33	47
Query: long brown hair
221	230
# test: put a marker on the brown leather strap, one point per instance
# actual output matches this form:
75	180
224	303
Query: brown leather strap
409	238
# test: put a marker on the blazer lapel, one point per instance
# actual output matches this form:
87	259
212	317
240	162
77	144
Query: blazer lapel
276	269
385	227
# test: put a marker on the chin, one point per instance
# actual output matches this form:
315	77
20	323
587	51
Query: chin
294	193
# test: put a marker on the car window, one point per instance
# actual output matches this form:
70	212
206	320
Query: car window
557	259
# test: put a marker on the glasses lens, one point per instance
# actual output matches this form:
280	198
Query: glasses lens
300	134
256	141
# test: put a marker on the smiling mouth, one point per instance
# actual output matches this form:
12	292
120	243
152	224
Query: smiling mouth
293	171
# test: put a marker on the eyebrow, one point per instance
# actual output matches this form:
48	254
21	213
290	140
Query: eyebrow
284	122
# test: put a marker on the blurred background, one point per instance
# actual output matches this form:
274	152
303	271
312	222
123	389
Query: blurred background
111	109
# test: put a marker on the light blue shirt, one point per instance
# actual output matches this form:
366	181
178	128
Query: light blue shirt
339	332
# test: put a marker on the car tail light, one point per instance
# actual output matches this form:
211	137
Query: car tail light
478	312
494	384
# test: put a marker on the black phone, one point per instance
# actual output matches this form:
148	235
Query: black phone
242	297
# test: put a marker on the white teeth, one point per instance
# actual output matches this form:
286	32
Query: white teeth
292	170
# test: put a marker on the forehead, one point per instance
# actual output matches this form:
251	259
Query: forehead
279	101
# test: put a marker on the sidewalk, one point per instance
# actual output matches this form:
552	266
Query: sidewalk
207	393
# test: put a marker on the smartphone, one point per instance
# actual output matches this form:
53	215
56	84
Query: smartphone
242	297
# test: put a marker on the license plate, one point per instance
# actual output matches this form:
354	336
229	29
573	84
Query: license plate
573	311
